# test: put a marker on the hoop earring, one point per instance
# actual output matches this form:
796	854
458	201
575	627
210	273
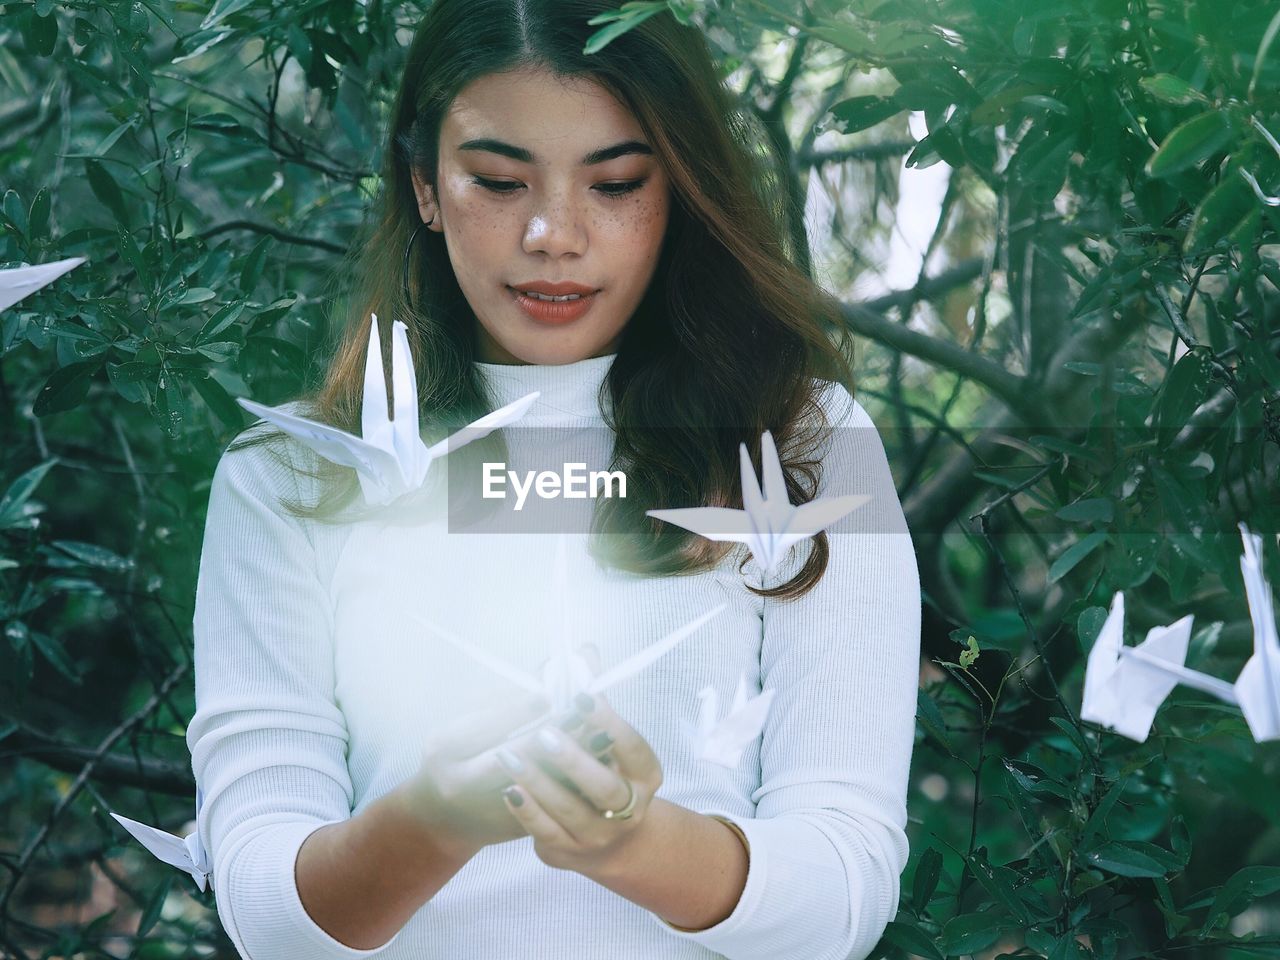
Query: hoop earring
404	271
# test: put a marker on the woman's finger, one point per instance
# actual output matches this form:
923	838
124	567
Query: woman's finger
529	813
564	807
630	750
601	786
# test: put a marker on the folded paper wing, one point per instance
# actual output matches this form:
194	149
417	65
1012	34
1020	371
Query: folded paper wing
769	524
19	282
185	853
722	740
1258	686
596	684
389	457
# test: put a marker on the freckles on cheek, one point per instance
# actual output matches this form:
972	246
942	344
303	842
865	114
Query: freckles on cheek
472	214
641	217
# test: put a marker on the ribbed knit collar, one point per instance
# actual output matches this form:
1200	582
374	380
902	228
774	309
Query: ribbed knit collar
569	390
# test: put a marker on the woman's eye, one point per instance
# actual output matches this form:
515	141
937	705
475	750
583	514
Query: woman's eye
497	186
620	189
608	189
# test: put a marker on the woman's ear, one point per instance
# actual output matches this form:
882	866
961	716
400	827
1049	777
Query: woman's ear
428	209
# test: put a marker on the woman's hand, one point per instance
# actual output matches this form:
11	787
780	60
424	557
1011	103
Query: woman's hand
560	789
455	793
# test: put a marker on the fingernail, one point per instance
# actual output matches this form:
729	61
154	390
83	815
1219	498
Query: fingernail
549	740
584	702
570	721
513	796
510	760
600	741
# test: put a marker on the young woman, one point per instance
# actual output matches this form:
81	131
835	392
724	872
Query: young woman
368	787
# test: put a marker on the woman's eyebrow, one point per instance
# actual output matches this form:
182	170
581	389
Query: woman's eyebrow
490	145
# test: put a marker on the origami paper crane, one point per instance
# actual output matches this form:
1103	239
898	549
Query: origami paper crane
566	672
19	282
769	523
1258	687
185	853
389	457
1124	686
722	740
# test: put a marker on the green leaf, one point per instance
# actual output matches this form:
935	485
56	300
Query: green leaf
1244	886
1131	858
998	881
912	940
38	218
54	652
1184	390
1074	554
634	15
225	125
930	718
155	903
251	272
1094	510
1189	143
225	317
972	932
20	491
925	881
1073	734
195	295
107	142
1171	89
219	401
860	113
106	189
133	256
1219	211
42	34
220	351
201	42
129	379
66	387
95	556
14	211
223	9
171	403
1097	820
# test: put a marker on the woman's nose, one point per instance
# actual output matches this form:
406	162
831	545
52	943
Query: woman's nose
557	229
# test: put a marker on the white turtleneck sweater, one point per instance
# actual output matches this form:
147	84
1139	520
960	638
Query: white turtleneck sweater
315	686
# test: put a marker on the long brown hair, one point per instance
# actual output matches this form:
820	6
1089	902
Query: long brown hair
730	334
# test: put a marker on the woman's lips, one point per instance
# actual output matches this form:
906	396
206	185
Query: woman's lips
553	312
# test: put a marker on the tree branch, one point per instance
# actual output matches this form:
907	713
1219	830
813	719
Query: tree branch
159	775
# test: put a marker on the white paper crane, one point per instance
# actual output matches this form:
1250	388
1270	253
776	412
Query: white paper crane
769	523
389	457
19	282
1124	686
185	853
566	672
1258	687
722	740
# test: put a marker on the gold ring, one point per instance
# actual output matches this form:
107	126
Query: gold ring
626	810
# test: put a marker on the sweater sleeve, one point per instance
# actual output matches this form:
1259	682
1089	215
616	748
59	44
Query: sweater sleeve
827	845
268	743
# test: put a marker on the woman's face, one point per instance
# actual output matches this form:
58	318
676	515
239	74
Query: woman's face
546	180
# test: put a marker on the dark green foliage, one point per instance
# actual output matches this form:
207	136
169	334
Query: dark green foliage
1080	393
